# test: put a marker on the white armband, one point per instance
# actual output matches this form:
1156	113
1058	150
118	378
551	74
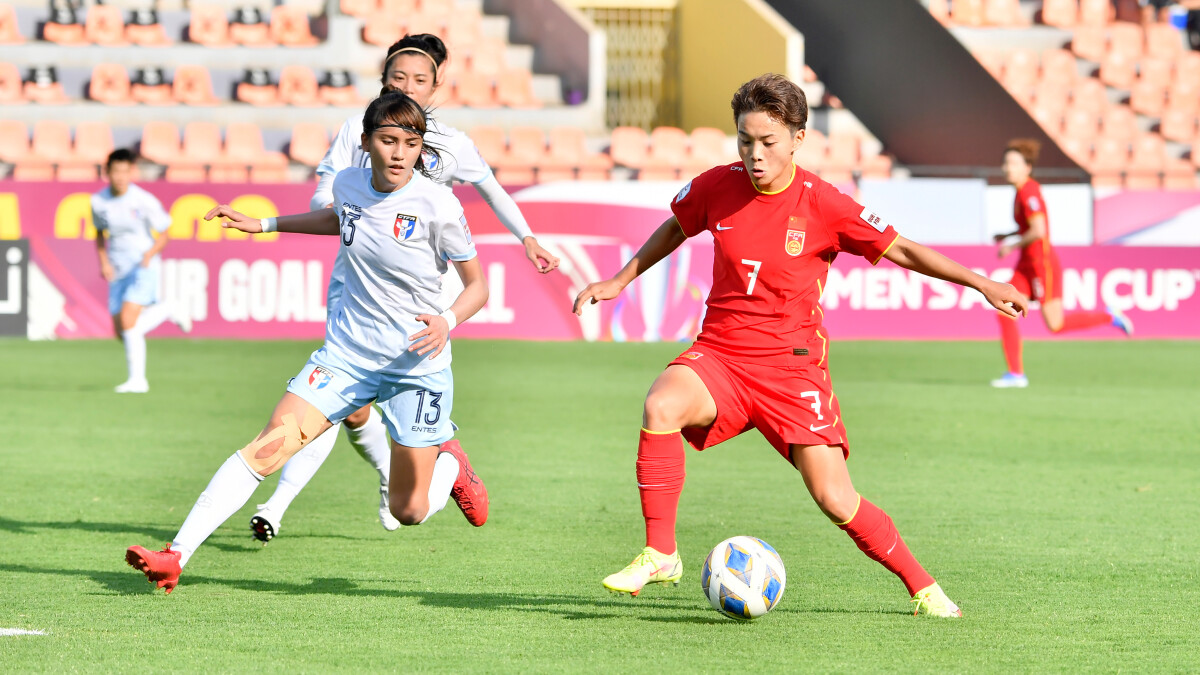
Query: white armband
270	224
451	320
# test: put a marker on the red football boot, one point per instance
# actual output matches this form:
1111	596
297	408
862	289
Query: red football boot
468	490
160	567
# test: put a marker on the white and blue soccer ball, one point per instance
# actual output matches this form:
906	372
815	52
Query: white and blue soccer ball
743	578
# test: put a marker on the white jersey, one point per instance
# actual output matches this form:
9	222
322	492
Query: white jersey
128	221
395	248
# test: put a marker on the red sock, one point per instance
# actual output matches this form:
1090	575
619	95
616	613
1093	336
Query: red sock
1010	339
660	481
872	530
1081	320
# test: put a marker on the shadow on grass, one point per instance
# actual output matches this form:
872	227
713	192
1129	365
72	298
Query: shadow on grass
146	532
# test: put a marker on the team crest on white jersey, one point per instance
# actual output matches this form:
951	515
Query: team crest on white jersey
430	159
319	378
405	226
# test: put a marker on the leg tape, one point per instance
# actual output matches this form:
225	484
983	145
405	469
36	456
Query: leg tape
265	455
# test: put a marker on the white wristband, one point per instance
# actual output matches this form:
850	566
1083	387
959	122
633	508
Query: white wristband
270	224
451	320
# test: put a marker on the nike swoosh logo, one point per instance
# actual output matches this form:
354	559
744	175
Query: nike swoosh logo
814	428
724	228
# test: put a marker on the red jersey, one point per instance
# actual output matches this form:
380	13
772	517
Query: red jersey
772	254
1029	203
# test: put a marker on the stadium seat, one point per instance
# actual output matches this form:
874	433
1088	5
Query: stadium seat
568	149
1051	96
1147	98
145	30
193	86
77	172
658	173
1163	41
940	9
1078	150
269	174
1184	94
160	142
490	142
249	29
149	87
1127	38
1060	13
1149	153
1080	123
383	30
1178	124
526	148
298	87
845	150
64	28
486	55
967	12
877	166
338	89
1142	179
93	142
396	7
43	86
186	173
244	147
257	89
309	143
11	87
1059	68
1156	72
105	26
1090	93
10	30
668	148
707	149
202	147
14	141
1119	123
1187	67
1178	174
359	8
514	89
993	62
1110	156
1021	73
630	146
1118	70
1089	42
51	140
1003	13
1049	116
1095	12
33	169
474	90
209	26
289	27
110	85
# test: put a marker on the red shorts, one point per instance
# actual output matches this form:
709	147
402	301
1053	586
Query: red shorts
790	402
1040	279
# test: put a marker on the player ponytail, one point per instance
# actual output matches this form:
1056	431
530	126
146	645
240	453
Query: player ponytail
780	98
396	109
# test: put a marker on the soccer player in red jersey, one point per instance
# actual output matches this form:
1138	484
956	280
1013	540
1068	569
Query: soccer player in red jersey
761	358
1038	273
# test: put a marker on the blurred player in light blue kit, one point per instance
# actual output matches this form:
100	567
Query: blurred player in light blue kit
131	230
386	341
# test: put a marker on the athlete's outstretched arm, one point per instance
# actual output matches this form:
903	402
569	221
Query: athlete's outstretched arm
668	237
911	255
106	268
510	216
1037	230
322	221
437	326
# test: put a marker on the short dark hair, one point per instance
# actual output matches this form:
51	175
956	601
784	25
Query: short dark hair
1027	148
780	98
119	155
396	107
430	44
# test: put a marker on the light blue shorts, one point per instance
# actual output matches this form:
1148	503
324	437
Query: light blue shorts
139	286
416	408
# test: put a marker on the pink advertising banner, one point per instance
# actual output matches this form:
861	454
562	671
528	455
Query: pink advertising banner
271	286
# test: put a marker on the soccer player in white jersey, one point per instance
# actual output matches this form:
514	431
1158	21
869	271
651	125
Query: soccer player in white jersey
131	230
387	340
413	66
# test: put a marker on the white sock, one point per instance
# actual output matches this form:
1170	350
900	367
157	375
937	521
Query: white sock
300	469
371	442
151	317
445	472
135	354
230	488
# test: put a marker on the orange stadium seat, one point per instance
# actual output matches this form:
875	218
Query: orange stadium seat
1048	116
1060	13
474	90
1147	98
298	87
568	150
877	166
309	143
658	173
1003	13
338	89
1119	123
1178	124
1178	174
359	8
490	142
967	12
514	89
64	28
992	62
1089	42
813	151
1021	73
43	87
1080	123
1118	70
14	141
1149	152
1051	96
485	55
10	30
51	140
257	89
940	9
1059	68
383	30
1110	156
630	146
845	151
93	141
1184	94
1091	94
668	148
244	150
33	169
145	30
1078	150
1095	12
11	88
110	84
1127	38
463	28
193	86
526	148
186	173
396	7
1196	152
1163	41
209	26
289	27
160	142
1155	71
150	88
201	143
105	26
1187	67
707	150
249	29
270	174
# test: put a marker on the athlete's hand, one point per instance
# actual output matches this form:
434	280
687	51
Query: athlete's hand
146	260
1005	298
595	292
999	237
433	338
1004	250
542	259
107	271
234	219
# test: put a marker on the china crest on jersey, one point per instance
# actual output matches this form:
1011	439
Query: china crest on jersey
405	226
795	242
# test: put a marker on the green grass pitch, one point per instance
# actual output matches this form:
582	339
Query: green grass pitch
1064	519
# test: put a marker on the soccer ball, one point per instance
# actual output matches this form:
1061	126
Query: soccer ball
743	578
